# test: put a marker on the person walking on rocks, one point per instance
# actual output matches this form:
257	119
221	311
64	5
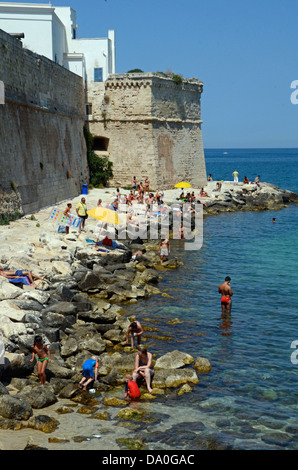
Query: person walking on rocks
235	174
88	374
135	330
143	368
82	213
44	356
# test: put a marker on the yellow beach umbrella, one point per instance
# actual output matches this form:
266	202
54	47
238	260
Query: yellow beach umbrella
182	184
105	215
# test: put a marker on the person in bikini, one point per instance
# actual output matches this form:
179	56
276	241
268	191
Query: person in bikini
67	214
143	368
226	293
147	183
44	356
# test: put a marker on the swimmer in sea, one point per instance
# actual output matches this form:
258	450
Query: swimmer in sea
226	293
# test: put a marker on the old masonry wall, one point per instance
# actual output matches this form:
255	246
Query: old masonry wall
43	150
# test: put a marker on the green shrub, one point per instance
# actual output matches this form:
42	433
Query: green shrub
177	78
100	168
6	218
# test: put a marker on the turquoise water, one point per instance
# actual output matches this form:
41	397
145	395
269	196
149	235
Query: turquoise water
249	399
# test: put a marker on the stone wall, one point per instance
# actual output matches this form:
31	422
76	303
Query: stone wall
153	127
43	151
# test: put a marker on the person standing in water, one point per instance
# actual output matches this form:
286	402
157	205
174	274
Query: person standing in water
226	295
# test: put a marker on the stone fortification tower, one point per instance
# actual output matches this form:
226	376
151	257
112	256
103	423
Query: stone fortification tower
149	125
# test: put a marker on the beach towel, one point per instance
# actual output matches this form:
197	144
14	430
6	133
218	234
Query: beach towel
23	280
59	217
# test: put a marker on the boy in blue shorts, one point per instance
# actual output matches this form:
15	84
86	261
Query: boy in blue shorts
88	374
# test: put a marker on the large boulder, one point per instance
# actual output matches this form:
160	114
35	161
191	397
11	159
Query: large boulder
16	408
39	396
202	364
174	378
63	308
122	363
98	316
11	329
69	347
94	344
61	267
8	290
43	423
148	276
115	335
16	365
57	320
173	360
10	310
58	370
90	282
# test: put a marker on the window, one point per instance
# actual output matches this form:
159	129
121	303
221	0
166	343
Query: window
88	109
100	143
98	73
74	33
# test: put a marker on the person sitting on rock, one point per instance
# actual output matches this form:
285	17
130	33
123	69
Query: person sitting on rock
137	254
257	181
143	368
246	180
203	193
20	273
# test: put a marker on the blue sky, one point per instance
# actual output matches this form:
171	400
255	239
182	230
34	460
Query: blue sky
245	52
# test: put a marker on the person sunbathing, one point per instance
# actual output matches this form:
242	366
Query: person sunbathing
20	273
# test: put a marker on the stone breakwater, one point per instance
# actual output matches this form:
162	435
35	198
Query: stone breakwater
246	197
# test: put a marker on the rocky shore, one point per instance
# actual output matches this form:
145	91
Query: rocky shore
79	309
246	197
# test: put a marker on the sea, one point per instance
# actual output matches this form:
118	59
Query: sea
248	401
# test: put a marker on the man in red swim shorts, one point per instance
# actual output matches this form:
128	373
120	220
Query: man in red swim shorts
226	293
131	388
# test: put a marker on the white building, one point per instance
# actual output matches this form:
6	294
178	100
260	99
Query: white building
52	32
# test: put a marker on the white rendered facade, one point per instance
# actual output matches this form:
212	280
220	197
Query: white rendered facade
52	32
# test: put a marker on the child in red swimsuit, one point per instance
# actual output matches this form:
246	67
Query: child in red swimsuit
131	388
